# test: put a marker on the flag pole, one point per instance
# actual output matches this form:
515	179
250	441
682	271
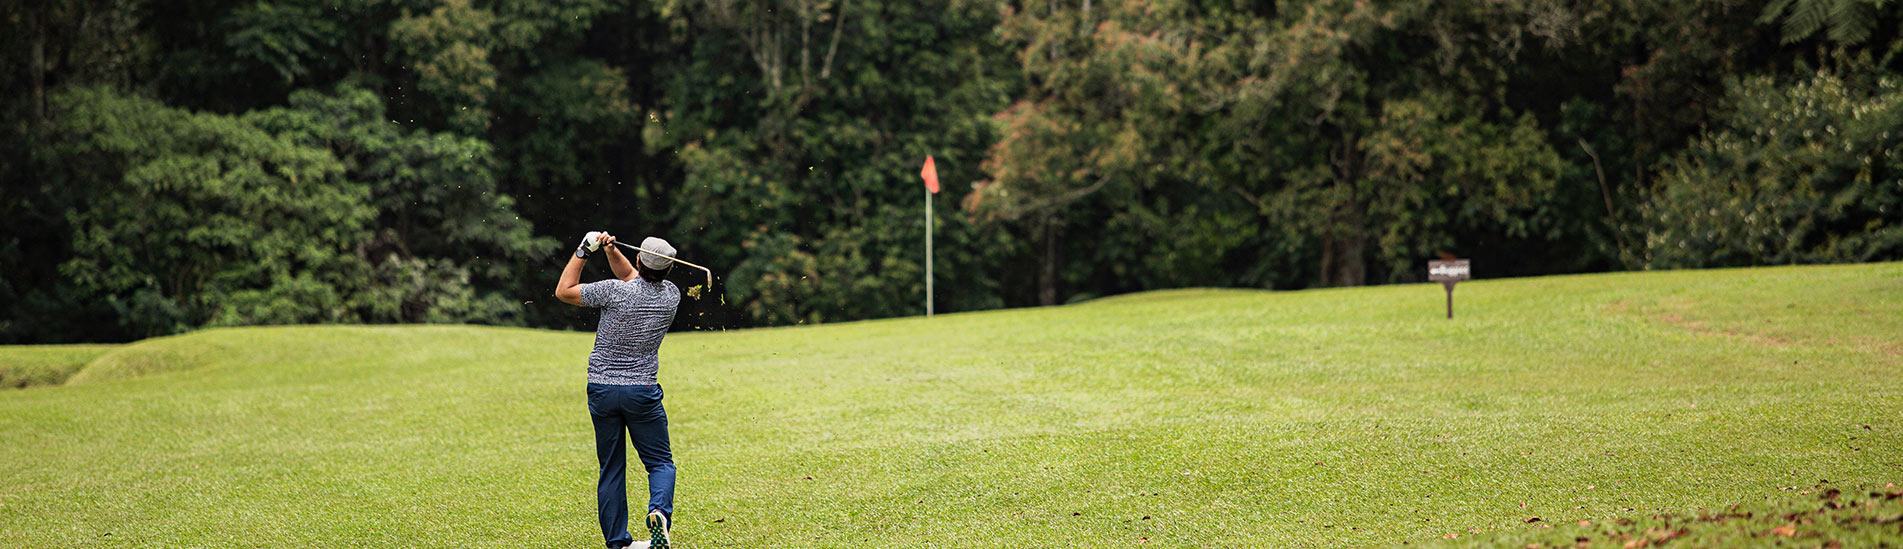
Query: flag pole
928	252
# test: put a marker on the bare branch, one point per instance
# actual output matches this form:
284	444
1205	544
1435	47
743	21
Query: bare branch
1605	191
839	21
1060	200
806	43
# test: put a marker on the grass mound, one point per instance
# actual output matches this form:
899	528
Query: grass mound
153	356
24	366
1196	418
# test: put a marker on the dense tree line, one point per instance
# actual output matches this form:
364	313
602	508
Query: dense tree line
175	165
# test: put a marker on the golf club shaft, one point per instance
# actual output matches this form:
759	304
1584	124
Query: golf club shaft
710	273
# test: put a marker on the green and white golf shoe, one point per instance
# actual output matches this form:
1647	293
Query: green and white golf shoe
657	529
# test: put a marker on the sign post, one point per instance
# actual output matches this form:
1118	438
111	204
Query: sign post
1447	272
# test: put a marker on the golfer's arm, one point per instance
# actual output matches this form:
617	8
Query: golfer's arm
568	289
619	263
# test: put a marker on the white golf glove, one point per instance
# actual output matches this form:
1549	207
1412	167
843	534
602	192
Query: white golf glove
589	243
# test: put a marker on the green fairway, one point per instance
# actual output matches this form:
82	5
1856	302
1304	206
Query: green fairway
1208	418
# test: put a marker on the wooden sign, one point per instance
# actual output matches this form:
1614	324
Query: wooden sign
1447	272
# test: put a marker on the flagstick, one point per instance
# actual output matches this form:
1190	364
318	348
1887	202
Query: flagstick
928	252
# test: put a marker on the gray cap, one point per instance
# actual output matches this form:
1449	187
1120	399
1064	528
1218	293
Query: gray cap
651	261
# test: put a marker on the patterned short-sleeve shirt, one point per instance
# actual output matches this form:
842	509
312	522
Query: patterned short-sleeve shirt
635	316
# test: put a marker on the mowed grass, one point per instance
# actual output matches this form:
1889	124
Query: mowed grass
1205	418
34	365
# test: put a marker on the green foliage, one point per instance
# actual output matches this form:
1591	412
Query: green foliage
1193	127
1434	169
1088	148
1848	21
436	291
569	126
448	48
290	38
437	205
1811	172
364	221
193	218
522	26
806	155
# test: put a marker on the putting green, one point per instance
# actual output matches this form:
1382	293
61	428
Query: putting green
1181	418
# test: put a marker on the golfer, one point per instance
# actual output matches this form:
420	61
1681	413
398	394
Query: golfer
624	397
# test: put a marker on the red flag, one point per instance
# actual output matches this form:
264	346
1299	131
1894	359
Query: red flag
930	174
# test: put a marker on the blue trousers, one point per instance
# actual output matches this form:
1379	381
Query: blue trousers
634	411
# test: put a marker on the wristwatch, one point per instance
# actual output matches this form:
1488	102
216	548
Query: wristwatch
582	253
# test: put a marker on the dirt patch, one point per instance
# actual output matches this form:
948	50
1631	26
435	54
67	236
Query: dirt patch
1891	348
1673	314
1823	515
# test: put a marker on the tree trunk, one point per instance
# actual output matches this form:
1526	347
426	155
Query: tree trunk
36	67
806	47
1344	249
1345	239
1351	263
1047	274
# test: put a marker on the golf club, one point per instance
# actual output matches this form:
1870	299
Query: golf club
710	274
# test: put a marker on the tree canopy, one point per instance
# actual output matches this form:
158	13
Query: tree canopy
222	162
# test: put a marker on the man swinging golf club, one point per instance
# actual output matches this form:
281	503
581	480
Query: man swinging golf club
637	305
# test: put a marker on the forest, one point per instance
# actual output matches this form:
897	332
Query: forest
169	166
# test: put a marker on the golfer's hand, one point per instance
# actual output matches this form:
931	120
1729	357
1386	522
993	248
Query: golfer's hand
607	241
589	243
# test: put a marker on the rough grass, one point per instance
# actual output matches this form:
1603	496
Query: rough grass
24	366
1189	418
